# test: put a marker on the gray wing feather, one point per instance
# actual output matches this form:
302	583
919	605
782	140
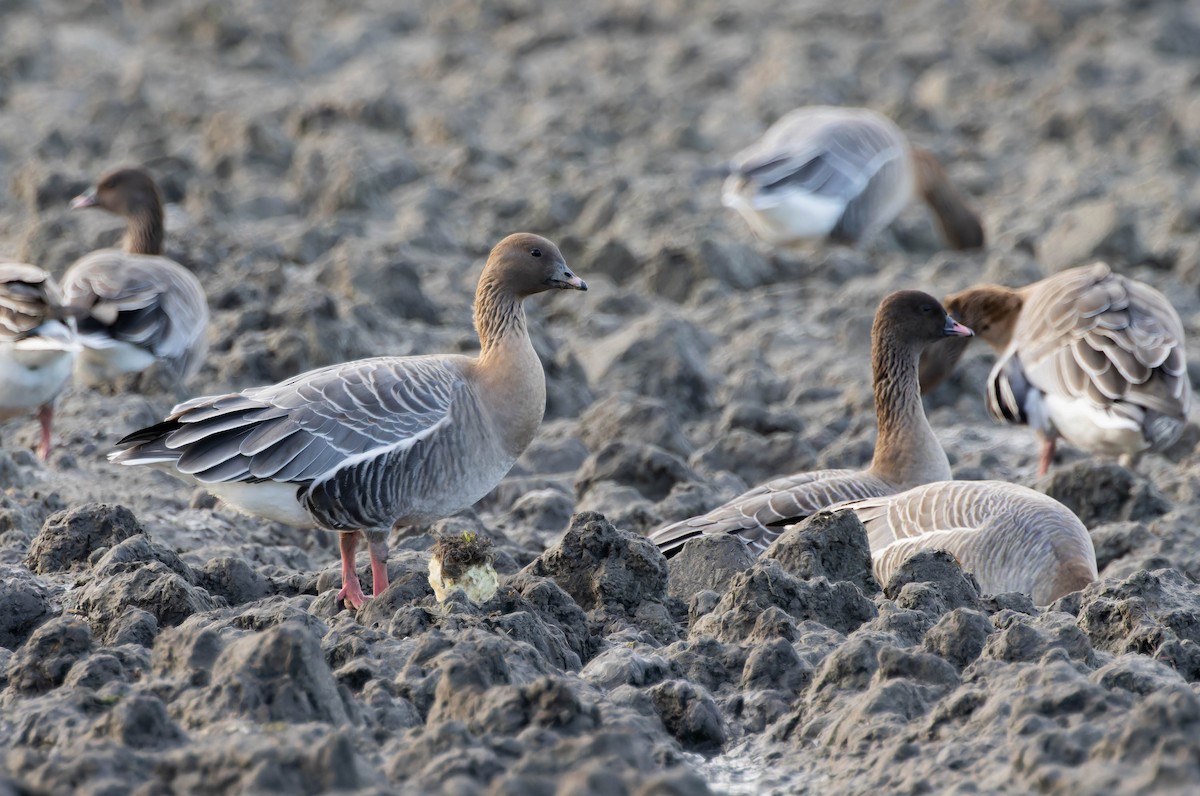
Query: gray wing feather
307	429
758	517
158	305
1090	333
829	152
29	298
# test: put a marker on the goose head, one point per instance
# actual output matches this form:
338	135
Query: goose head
524	264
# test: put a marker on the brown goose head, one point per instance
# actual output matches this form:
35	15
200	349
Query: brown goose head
126	192
990	310
524	264
916	318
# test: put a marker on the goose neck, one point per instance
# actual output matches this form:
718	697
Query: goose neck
144	231
907	453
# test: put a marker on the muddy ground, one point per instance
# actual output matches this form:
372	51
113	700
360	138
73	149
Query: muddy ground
336	175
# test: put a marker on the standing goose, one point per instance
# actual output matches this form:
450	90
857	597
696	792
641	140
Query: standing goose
841	173
1087	355
1010	537
368	445
37	345
135	306
906	453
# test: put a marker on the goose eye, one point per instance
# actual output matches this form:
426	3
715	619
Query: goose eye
925	308
535	252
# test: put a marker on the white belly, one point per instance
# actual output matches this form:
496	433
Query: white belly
783	217
31	377
98	365
269	499
1094	429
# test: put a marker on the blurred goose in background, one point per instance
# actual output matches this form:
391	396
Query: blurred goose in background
906	454
135	307
1010	537
844	174
1087	355
376	443
37	345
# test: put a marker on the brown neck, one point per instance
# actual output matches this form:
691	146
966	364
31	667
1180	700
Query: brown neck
499	316
508	371
960	225
906	453
144	231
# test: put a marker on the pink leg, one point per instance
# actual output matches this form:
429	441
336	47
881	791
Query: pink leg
351	593
1047	456
46	418
379	573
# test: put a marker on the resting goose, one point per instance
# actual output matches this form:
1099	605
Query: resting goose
1087	355
906	453
368	445
1010	537
135	307
841	173
37	345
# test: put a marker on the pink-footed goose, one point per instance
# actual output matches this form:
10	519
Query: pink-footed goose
1010	537
843	174
906	454
135	307
368	445
37	345
1087	355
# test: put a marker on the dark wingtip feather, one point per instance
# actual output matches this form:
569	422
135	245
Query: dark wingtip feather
149	433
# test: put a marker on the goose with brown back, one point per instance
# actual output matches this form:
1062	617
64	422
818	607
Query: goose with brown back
364	446
906	454
1011	538
842	174
1087	355
135	307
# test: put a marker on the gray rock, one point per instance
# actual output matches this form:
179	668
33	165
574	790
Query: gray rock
708	662
832	545
276	675
359	273
140	722
68	538
1099	492
1141	613
622	665
755	457
630	417
838	605
141	574
555	607
1137	674
650	470
233	579
609	256
604	568
24	604
1019	637
932	581
707	563
674	272
659	356
959	636
1089	231
775	664
690	714
539	516
42	662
